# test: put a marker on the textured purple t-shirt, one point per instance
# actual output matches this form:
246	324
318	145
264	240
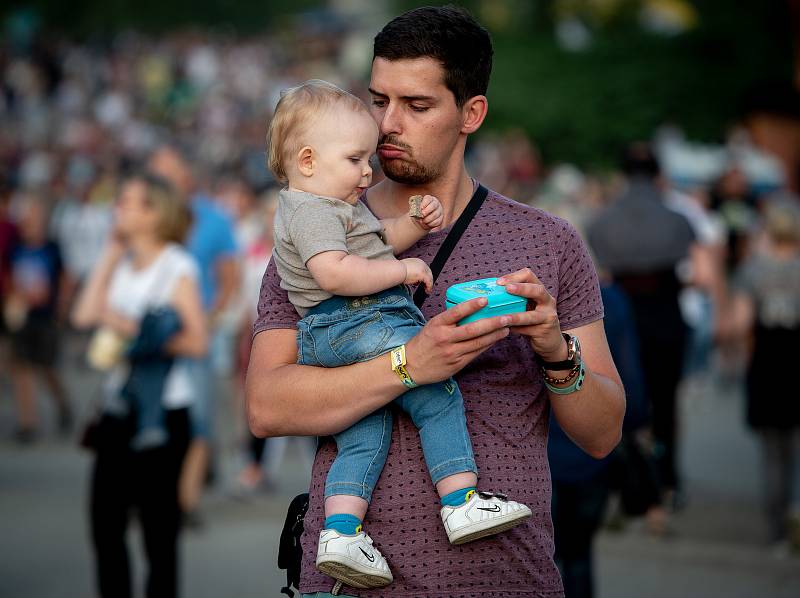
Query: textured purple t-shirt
507	414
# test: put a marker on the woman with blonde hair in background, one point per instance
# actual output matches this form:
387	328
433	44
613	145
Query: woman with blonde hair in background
143	271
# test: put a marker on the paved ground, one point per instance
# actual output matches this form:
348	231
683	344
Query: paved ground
717	549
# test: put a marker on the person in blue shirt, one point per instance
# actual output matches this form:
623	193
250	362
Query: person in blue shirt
212	243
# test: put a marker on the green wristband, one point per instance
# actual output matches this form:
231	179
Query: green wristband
576	385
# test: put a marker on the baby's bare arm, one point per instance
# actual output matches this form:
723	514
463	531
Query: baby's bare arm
402	232
349	275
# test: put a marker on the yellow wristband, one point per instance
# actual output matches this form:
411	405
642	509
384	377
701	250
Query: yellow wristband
398	355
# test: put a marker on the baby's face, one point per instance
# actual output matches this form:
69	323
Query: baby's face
343	142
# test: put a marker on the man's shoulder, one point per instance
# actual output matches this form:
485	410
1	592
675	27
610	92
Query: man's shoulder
498	205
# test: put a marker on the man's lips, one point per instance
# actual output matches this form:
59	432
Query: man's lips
390	151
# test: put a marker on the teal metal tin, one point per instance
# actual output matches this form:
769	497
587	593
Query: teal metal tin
500	301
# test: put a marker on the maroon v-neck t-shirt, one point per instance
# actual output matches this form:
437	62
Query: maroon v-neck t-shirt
507	412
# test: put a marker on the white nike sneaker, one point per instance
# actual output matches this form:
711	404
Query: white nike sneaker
483	514
352	559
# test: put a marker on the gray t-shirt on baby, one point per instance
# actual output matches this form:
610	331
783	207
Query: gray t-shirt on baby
306	225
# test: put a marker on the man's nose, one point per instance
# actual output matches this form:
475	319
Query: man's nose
390	122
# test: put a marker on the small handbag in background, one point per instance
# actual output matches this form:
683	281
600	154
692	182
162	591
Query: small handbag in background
106	349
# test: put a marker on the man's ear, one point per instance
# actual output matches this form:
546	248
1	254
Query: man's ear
305	161
474	112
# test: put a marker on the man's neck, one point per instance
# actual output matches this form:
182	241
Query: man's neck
454	192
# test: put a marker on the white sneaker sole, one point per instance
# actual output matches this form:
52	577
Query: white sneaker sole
351	572
490	527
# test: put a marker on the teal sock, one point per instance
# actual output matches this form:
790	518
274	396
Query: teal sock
459	497
344	523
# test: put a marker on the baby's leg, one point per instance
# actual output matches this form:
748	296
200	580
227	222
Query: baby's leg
362	451
438	412
345	551
345	504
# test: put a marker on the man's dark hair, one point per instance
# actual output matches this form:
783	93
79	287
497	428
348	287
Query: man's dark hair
448	34
638	160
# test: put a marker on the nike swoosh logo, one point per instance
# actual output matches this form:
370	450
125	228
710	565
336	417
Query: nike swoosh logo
370	557
494	509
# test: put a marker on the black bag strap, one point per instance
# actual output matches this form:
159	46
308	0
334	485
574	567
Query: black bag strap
290	552
451	240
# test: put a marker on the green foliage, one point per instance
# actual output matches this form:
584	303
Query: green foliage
583	107
100	17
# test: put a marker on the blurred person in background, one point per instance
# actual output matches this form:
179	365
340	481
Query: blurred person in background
82	218
143	267
581	483
733	200
8	240
640	243
253	216
212	243
31	314
765	307
701	304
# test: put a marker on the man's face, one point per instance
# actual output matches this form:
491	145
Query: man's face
418	120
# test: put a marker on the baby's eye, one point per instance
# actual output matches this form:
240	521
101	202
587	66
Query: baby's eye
355	159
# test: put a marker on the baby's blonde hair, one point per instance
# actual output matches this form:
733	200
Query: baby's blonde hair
297	111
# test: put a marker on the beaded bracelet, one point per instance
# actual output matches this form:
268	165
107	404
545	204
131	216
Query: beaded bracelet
575	386
572	373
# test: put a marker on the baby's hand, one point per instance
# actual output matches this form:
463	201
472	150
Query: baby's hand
418	271
432	215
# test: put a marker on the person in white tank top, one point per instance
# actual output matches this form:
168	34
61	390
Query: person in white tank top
142	267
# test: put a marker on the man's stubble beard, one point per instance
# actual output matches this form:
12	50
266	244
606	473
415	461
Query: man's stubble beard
408	172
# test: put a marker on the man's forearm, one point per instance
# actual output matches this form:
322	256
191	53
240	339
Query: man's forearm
296	400
592	417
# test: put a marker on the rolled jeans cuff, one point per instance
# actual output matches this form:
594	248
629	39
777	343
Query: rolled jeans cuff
453	466
349	489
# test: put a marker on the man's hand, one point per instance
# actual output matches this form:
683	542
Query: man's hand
432	214
443	348
418	271
540	323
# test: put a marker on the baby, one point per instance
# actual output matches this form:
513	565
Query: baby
336	260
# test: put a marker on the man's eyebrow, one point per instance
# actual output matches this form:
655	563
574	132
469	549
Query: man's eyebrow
407	98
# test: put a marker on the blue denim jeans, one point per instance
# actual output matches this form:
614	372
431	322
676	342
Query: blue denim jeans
343	330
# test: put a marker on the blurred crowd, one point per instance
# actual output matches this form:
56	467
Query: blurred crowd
710	273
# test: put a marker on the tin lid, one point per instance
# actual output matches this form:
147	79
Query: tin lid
485	287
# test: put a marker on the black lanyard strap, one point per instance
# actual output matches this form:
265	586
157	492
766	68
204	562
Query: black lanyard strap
451	240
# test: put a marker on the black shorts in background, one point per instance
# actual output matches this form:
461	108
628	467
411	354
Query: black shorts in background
36	343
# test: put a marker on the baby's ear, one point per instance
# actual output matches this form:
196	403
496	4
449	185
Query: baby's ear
305	160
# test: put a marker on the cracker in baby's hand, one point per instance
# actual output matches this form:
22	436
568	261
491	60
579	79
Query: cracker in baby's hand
415	203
